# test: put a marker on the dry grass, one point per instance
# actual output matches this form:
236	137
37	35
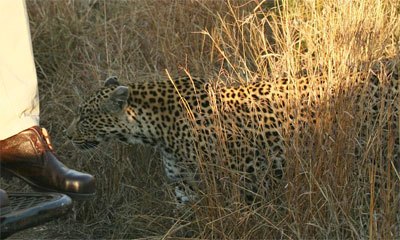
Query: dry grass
328	192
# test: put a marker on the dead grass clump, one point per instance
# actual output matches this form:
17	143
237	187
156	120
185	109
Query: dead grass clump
341	179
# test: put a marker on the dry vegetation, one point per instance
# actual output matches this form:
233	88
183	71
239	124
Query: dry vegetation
327	192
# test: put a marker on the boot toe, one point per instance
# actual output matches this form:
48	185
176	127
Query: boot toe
80	184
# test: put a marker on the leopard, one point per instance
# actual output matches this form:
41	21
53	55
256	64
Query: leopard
188	116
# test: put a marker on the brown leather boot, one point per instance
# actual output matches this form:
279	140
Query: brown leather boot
29	155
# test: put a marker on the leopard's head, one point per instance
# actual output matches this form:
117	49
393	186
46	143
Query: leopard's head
100	116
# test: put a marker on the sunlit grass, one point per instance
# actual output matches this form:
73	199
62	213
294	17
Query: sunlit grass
340	182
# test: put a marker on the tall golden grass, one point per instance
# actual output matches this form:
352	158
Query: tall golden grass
327	191
340	183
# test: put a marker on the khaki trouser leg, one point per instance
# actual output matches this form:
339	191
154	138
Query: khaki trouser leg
19	99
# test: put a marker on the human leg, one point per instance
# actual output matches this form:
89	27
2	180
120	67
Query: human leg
25	148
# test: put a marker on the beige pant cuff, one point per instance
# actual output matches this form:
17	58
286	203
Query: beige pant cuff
18	126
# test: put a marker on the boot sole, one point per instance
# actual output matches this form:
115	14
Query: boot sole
76	196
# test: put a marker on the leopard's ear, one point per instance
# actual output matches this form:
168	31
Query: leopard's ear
117	101
111	81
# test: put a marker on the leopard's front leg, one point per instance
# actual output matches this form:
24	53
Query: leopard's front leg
178	173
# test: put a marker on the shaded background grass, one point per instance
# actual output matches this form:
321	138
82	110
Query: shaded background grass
327	191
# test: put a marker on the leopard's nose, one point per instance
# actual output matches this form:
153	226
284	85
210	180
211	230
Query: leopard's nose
69	132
